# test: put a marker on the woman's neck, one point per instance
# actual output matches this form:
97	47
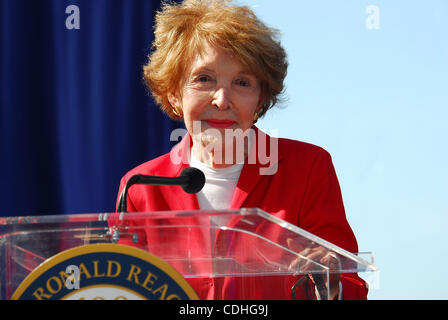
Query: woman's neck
218	158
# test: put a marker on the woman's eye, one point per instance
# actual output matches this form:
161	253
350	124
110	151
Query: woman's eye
243	83
203	79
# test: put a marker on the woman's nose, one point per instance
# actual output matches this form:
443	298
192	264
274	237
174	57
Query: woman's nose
221	99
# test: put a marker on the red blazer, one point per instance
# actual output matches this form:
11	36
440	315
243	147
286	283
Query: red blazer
304	191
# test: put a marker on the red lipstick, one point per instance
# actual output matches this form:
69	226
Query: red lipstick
216	123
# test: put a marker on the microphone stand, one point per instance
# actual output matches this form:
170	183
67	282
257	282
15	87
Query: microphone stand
191	179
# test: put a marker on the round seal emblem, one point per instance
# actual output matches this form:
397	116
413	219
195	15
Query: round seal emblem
104	272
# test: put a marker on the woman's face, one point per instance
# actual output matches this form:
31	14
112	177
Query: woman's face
218	93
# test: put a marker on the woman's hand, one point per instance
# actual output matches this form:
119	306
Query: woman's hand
307	262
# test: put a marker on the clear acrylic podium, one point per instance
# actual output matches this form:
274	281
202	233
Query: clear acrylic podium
245	254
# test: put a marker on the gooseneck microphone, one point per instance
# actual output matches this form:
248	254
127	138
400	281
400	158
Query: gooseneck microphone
191	179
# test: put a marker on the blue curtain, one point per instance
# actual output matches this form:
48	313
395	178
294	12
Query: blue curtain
75	113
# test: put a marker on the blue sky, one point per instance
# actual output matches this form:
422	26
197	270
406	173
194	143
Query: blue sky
377	100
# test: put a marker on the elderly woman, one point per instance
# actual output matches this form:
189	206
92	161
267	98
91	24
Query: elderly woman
218	68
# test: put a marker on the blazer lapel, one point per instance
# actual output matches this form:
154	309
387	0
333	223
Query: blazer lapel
179	159
253	172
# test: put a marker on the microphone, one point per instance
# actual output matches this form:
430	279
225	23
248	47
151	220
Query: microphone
191	179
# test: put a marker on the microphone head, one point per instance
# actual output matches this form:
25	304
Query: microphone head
196	180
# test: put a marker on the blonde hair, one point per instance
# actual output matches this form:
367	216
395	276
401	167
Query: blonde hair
180	31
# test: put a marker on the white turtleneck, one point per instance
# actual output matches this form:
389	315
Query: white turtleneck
219	187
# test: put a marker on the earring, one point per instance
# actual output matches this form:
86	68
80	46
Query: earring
255	117
176	112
